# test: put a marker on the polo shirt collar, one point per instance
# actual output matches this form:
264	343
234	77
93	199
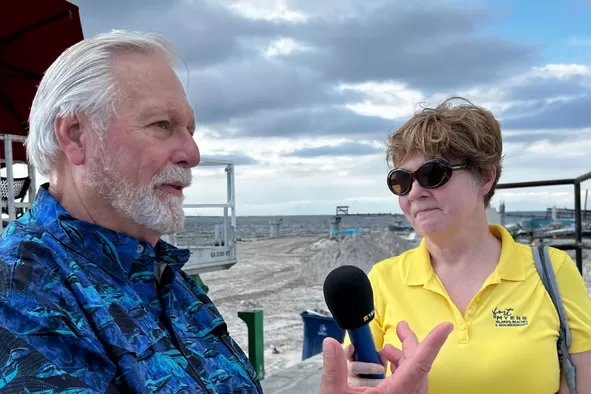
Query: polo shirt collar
419	271
511	263
510	266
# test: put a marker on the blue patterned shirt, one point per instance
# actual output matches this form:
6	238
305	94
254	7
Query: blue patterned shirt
81	311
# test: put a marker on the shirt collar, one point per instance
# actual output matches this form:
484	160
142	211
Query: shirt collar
511	263
419	270
116	251
510	267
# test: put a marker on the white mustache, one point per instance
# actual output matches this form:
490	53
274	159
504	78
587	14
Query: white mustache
173	174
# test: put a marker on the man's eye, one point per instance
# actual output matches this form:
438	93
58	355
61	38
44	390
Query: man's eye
164	124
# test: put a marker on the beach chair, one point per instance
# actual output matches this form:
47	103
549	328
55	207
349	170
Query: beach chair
21	187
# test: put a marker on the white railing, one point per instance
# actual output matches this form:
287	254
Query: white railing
221	255
10	204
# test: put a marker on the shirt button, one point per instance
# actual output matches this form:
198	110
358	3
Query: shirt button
462	327
477	300
140	248
470	312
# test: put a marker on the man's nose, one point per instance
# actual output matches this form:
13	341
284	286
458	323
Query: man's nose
187	155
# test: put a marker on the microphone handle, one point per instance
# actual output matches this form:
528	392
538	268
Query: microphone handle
365	348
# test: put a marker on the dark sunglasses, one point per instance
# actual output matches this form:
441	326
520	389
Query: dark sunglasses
430	175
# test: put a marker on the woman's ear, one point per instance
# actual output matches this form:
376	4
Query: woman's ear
488	179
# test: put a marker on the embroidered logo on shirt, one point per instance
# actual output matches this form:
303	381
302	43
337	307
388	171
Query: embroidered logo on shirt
506	318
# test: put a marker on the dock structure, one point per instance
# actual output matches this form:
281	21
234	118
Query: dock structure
221	254
399	221
578	245
566	213
550	214
343	210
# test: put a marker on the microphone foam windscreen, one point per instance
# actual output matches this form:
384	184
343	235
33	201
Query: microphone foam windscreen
349	297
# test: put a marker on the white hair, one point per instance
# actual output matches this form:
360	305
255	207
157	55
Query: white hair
80	81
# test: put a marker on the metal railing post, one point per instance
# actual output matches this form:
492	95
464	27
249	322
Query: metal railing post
9	178
578	245
578	227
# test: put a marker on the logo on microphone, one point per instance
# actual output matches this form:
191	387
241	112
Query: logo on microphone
369	316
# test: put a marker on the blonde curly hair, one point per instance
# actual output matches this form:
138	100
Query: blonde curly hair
462	133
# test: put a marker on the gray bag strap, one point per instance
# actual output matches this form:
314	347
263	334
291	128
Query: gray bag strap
546	272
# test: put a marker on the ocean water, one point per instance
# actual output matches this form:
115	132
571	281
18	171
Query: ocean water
200	230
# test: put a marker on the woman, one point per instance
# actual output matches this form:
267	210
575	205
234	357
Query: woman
447	162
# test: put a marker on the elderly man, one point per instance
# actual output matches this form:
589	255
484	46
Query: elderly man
91	299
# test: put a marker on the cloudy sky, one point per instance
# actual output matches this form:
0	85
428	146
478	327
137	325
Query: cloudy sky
303	94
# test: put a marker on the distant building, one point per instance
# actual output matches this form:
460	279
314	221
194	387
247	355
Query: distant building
493	216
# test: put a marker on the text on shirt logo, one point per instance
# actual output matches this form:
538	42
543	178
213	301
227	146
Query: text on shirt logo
506	318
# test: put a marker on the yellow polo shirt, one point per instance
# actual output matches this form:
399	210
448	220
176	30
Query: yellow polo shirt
506	340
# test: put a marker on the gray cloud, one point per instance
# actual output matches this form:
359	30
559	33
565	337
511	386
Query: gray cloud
307	122
238	92
332	7
232	91
434	47
119	10
541	88
205	32
572	114
345	149
553	136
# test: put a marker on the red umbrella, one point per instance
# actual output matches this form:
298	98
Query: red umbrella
33	33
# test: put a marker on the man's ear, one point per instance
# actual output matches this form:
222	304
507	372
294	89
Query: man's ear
68	131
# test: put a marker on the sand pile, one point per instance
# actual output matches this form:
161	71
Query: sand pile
283	277
362	251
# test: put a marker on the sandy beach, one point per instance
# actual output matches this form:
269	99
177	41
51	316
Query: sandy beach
284	276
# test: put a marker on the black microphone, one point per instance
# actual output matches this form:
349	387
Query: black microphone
349	297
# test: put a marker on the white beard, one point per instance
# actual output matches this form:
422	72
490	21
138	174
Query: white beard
162	214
